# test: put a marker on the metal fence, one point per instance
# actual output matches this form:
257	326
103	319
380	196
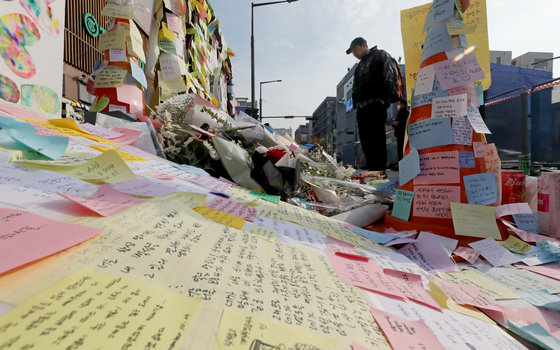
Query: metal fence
526	121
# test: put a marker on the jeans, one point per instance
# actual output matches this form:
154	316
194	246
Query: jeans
371	127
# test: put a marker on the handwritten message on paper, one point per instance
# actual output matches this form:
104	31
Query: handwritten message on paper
425	80
106	201
409	167
466	160
52	147
26	237
403	203
438	168
439	11
481	189
411	286
112	312
478	148
238	330
462	131
453	74
430	133
474	220
110	77
107	167
469	254
527	222
494	253
450	106
435	201
475	119
114	39
494	164
234	208
428	253
437	40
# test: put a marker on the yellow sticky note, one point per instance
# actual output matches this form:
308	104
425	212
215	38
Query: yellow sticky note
412	23
515	245
99	311
68	127
238	331
494	289
445	300
475	220
115	39
221	217
175	85
166	33
127	157
135	43
265	232
107	167
118	11
68	159
455	28
110	77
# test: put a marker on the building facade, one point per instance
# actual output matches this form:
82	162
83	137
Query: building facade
302	134
323	129
531	60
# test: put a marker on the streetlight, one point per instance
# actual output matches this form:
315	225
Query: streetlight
260	95
253	5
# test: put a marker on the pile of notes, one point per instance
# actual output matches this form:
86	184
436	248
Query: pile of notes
103	245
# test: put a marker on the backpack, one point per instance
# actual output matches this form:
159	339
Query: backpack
394	82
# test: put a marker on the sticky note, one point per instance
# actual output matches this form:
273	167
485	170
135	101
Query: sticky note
449	106
429	254
470	90
118	11
515	245
466	160
481	189
127	157
475	119
267	197
406	334
221	217
425	80
114	39
144	187
474	220
234	208
435	201
138	74
464	294
437	40
438	168
129	135
526	222
513	208
27	237
430	133
439	11
170	66
377	237
174	23
456	28
411	286
239	330
403	203
536	333
494	253
116	55
134	43
210	183
419	100
101	311
106	201
110	77
409	167
469	254
101	104
52	147
479	150
461	131
100	131
107	167
451	74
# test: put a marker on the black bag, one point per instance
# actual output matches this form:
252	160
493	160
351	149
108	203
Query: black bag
393	80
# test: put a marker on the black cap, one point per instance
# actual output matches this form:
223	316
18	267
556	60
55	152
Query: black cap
356	42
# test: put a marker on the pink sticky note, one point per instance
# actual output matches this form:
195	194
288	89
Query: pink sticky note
105	201
211	183
410	285
146	188
244	211
356	346
161	176
513	208
129	135
465	294
438	168
479	151
174	23
132	96
469	254
551	270
202	131
223	179
548	319
43	130
20	112
337	245
366	275
26	237
453	74
406	334
100	131
293	147
435	201
527	236
470	90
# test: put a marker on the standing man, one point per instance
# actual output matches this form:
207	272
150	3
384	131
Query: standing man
399	124
371	96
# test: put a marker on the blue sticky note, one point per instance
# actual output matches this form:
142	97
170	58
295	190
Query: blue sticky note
480	93
7	123
540	298
409	167
481	189
439	11
377	237
430	132
52	147
535	333
527	222
463	41
466	160
437	40
138	74
389	186
402	205
191	169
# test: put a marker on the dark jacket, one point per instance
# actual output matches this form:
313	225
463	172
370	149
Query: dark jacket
369	79
402	117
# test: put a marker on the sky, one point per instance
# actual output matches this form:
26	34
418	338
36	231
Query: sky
303	43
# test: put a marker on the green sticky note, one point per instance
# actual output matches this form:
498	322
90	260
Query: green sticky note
266	197
402	205
100	104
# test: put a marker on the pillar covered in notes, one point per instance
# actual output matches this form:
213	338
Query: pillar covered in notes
446	158
119	81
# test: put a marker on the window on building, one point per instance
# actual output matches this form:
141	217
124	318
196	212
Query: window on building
498	60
